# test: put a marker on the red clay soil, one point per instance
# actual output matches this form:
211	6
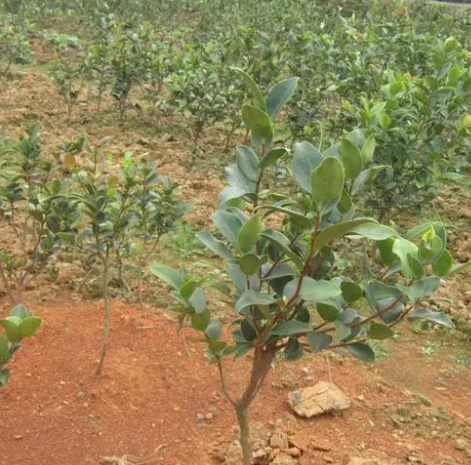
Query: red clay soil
54	411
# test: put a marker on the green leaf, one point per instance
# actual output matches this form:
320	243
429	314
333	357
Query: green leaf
405	249
259	100
228	225
351	292
290	328
294	350
379	331
311	290
249	234
368	150
327	312
271	157
257	121
327	181
385	247
362	351
319	341
198	300
213	244
247	162
279	95
345	203
20	311
4	377
435	317
4	348
251	297
374	231
415	267
443	265
12	329
29	326
280	241
305	161
248	332
339	230
167	274
351	157
200	321
214	329
249	264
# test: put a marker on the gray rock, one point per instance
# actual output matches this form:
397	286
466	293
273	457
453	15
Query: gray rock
284	459
319	399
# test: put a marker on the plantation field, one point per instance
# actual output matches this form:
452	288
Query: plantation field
206	205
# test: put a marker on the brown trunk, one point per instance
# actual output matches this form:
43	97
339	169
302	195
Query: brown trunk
106	326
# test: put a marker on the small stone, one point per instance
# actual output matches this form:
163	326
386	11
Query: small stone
328	459
80	395
18	437
319	399
293	451
208	416
284	459
279	440
461	444
199	417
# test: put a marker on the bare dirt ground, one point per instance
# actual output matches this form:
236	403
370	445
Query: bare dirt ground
409	406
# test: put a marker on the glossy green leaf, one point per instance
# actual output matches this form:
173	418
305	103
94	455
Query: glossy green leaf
167	274
435	317
279	95
312	290
379	331
319	341
294	350
327	181
345	203
20	311
4	376
271	157
443	265
198	300
351	292
248	332
327	312
249	234
228	225
200	321
305	160
4	348
290	328
29	326
259	100
248	163
332	233
213	244
12	330
251	297
257	121
362	351
351	158
249	264
368	150
214	329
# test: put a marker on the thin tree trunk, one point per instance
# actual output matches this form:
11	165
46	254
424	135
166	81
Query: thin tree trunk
260	367
243	420
106	326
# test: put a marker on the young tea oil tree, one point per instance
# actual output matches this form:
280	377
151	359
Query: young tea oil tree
419	129
14	45
104	200
288	295
18	325
156	212
35	208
